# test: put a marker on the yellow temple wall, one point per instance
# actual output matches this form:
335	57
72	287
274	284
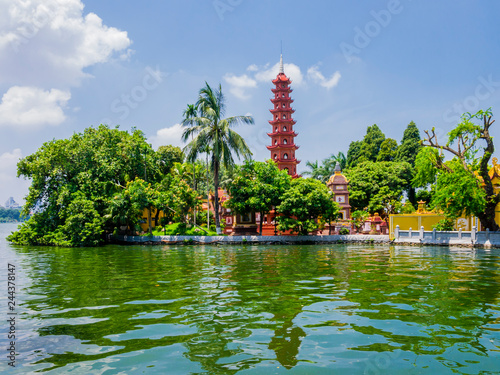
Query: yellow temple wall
144	219
427	220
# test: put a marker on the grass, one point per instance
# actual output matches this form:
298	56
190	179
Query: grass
181	229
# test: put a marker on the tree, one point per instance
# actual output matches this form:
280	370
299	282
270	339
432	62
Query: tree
257	187
358	218
316	171
372	141
463	184
212	129
367	149
353	153
303	204
332	161
407	151
73	181
377	186
410	145
166	157
388	150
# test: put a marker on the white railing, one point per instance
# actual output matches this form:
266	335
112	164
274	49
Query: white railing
447	237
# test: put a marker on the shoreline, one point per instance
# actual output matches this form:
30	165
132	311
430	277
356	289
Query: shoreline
291	240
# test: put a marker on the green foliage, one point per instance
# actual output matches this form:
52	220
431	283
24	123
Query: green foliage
327	168
343	231
372	142
426	161
176	196
353	153
303	203
458	191
369	148
358	218
377	186
73	181
181	229
410	145
388	150
10	215
407	208
206	121
257	187
424	195
166	156
461	186
445	224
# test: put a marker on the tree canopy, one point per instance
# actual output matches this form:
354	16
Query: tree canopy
74	179
462	183
257	187
303	204
377	186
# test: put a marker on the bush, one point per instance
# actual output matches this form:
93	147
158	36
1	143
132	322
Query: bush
344	231
446	224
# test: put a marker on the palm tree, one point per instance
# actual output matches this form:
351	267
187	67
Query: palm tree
211	128
316	171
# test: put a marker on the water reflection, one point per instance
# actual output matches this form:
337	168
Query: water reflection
221	310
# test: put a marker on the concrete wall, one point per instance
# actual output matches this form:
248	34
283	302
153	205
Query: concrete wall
248	239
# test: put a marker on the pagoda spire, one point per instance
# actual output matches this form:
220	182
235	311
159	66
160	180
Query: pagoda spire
282	135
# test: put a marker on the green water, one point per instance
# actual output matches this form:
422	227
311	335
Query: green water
322	309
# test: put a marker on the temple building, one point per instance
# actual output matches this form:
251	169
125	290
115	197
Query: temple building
282	135
338	184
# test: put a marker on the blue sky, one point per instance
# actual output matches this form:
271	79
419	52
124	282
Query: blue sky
69	64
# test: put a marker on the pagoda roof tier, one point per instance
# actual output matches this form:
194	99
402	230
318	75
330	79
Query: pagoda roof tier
290	133
281	89
279	146
282	78
282	121
286	100
275	110
291	161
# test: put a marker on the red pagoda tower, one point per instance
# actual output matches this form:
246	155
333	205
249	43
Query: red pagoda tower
282	136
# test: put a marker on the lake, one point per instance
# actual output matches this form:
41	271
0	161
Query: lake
272	309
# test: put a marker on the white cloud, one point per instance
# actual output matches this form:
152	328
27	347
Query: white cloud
239	84
32	107
48	44
315	75
168	136
8	161
291	70
10	186
50	41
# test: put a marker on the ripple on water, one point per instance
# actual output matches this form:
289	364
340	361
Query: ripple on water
249	309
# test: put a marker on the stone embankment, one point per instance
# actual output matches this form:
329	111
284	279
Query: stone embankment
472	238
168	240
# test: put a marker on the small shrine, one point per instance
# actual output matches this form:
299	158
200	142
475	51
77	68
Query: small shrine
338	184
282	136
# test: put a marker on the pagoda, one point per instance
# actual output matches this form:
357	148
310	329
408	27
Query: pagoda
282	136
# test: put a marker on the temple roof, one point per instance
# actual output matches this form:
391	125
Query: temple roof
337	178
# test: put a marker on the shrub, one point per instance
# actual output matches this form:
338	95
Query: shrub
344	231
445	224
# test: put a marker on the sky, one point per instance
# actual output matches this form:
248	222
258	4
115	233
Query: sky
66	65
